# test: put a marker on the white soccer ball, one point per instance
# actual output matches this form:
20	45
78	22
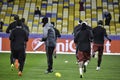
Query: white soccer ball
66	61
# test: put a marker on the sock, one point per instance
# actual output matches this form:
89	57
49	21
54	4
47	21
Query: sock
81	71
86	63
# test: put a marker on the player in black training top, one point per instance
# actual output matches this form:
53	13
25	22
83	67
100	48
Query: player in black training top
98	42
18	38
84	47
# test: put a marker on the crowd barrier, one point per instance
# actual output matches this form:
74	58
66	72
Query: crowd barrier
64	44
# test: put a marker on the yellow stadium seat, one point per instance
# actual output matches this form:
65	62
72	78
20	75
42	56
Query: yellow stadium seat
94	24
118	28
65	13
99	3
107	29
4	28
112	30
64	30
30	26
34	29
40	29
59	27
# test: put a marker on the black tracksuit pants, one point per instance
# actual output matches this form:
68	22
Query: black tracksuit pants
49	54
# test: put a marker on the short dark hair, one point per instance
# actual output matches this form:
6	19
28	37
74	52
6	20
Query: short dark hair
16	17
80	21
84	26
23	20
45	20
19	23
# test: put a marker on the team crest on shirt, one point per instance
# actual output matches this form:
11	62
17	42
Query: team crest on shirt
37	45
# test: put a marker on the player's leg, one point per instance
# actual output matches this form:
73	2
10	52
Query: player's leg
16	63
50	59
21	59
100	53
87	57
80	58
99	62
76	53
95	49
12	60
14	57
47	55
81	68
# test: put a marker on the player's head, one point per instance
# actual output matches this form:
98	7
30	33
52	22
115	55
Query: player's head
100	22
84	25
19	23
23	20
37	8
45	20
80	21
16	17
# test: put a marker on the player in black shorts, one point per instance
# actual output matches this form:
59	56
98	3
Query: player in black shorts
18	38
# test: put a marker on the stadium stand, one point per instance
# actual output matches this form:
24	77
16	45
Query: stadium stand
65	13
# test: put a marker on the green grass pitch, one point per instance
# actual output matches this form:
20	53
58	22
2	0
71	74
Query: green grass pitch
36	65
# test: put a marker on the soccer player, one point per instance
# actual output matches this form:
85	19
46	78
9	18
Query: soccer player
75	31
83	41
8	30
50	42
98	42
18	39
13	24
57	34
77	28
25	27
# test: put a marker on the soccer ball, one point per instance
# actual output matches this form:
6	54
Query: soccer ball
66	61
57	74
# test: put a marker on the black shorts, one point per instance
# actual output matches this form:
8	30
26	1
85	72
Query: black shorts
18	54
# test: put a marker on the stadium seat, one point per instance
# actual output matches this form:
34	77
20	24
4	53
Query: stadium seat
29	23
112	30
65	13
59	27
34	29
118	28
107	29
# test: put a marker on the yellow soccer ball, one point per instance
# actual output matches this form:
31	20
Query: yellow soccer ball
57	74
